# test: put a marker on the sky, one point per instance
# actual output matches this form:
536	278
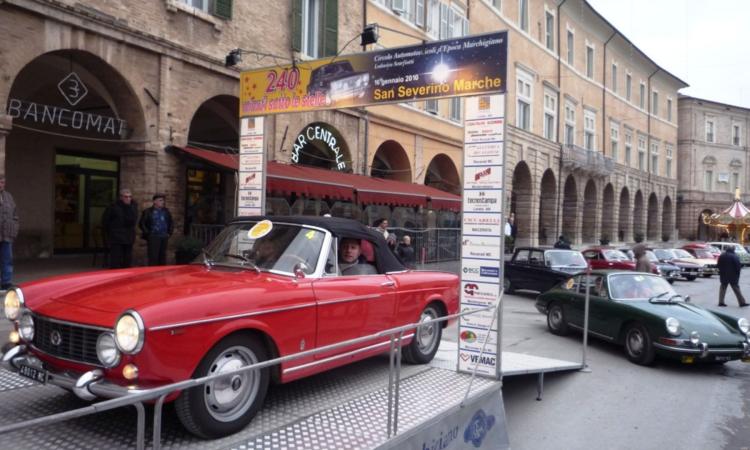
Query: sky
701	42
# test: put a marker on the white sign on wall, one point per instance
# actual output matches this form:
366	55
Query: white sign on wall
252	178
482	234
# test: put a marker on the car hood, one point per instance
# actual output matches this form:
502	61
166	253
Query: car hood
683	262
692	318
705	261
164	294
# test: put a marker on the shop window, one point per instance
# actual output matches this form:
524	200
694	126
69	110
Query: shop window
347	210
205	198
310	207
375	212
277	206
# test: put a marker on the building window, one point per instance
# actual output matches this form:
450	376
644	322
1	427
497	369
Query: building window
628	86
525	97
614	78
735	181
589	129
614	137
456	109
589	61
549	27
315	27
571	47
218	8
550	115
709	131
628	147
431	106
523	15
655	103
708	180
669	109
642	103
670	154
736	135
655	158
497	4
641	153
570	123
419	13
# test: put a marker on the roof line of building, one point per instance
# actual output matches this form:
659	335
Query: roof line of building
690	97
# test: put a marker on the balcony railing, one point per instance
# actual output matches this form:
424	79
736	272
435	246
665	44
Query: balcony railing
588	161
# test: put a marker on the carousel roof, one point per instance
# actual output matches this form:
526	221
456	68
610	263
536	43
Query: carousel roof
736	214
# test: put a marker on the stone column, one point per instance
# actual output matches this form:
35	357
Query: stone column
6	124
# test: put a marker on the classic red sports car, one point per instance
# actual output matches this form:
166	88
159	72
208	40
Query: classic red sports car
266	287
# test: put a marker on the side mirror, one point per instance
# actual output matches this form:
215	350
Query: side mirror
300	269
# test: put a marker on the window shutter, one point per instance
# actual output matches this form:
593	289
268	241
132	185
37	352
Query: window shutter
297	25
223	9
330	28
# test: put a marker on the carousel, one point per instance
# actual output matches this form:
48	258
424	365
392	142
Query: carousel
733	221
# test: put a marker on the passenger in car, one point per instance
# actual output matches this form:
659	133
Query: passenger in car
351	261
266	253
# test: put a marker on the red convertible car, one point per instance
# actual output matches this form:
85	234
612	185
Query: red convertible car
266	287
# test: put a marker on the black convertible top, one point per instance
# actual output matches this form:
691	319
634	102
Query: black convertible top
341	228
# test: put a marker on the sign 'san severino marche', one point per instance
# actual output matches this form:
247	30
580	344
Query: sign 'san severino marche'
458	67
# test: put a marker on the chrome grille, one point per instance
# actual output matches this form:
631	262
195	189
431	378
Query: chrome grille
66	340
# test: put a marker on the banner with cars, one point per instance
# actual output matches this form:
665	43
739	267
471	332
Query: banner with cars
482	234
455	67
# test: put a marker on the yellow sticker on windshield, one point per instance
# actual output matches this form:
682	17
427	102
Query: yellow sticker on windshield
570	283
310	234
260	229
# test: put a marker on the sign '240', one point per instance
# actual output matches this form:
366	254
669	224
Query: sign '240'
287	80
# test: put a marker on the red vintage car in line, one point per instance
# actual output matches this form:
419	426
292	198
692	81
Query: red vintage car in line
266	287
608	258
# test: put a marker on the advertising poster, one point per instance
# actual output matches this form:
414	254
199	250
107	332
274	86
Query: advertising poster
251	181
482	234
454	67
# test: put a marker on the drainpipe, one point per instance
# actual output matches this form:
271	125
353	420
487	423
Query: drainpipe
558	228
604	94
364	110
648	126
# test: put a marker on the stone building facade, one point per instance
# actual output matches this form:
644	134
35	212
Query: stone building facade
713	152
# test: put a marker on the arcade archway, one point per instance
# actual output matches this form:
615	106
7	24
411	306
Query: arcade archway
442	174
391	162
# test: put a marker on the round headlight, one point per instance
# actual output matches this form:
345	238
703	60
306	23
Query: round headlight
26	327
695	338
13	303
744	325
129	332
106	350
673	326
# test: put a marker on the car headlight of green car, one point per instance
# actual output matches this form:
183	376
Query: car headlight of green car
744	325
673	326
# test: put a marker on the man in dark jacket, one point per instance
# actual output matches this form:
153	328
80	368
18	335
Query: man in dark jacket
118	223
562	243
405	252
729	274
156	228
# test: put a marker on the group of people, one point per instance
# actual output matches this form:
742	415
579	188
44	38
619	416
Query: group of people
403	250
119	224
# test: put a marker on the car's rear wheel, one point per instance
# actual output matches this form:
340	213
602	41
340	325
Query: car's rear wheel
638	345
426	339
691	277
556	321
508	286
225	405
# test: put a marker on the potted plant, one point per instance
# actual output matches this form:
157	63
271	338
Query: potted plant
188	248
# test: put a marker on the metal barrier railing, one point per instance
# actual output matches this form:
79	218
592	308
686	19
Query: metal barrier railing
160	394
432	245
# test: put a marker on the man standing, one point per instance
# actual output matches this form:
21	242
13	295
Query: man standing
8	233
729	274
642	264
118	223
381	226
562	243
405	252
156	226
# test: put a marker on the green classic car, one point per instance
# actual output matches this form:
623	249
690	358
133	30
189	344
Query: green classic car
643	313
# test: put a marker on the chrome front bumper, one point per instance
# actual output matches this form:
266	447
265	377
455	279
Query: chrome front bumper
703	350
87	386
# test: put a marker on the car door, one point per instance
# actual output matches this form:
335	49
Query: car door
593	258
518	270
353	306
596	302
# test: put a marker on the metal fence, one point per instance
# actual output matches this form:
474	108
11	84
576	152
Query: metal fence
159	394
432	245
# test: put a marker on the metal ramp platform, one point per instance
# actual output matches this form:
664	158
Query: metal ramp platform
341	409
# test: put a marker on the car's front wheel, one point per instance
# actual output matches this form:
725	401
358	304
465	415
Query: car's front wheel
638	346
426	339
225	405
691	277
556	320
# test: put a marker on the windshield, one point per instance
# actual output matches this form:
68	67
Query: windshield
615	255
626	286
680	253
564	258
651	257
663	254
267	246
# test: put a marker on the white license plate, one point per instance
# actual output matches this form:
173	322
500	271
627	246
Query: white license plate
38	375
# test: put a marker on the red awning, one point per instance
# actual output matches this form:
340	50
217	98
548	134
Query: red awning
286	179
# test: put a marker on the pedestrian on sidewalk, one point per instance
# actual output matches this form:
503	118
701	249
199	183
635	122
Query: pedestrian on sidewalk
405	252
642	264
562	243
156	227
8	233
118	223
729	274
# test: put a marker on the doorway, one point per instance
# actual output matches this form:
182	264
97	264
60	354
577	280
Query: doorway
84	187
